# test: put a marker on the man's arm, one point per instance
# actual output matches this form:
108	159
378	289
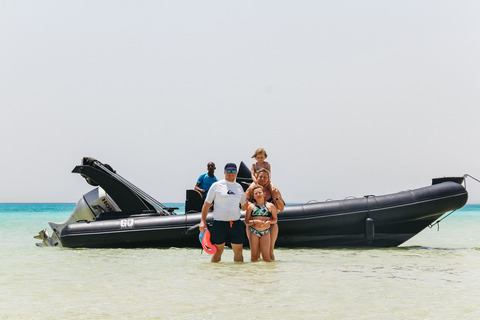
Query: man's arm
205	210
197	188
244	200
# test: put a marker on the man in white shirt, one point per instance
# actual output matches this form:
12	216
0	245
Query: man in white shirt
227	226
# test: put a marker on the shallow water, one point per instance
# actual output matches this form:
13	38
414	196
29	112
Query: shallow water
433	276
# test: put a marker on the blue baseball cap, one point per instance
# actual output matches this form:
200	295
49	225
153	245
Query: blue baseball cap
230	166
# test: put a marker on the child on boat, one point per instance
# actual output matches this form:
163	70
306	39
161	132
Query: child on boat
260	155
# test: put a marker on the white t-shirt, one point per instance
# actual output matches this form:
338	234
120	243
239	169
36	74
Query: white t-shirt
227	197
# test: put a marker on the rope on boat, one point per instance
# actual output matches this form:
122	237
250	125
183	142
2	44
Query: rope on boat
346	198
140	193
465	176
438	221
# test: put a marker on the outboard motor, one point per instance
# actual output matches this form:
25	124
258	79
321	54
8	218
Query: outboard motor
128	199
87	209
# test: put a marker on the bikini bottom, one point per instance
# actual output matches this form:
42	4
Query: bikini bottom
259	233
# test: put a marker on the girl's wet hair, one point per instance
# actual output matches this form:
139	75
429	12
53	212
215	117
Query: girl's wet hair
260	151
257	186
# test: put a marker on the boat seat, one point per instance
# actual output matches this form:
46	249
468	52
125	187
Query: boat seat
193	201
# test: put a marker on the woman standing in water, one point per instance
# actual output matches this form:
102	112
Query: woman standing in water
259	218
272	195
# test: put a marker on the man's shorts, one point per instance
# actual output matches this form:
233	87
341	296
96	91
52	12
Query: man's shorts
228	231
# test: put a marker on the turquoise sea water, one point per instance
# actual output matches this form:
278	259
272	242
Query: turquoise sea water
435	275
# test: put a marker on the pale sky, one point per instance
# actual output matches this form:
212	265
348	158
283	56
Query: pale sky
348	97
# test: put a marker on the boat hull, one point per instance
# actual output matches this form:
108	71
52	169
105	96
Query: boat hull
380	221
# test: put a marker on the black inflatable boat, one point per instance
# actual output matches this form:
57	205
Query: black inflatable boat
118	214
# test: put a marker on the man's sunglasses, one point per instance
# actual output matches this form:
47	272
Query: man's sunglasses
231	171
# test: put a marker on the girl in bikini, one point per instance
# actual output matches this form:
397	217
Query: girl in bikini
273	195
260	155
259	217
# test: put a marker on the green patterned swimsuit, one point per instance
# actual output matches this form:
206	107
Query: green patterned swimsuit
260	212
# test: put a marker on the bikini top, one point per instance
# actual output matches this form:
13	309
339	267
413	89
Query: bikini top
261	211
264	166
